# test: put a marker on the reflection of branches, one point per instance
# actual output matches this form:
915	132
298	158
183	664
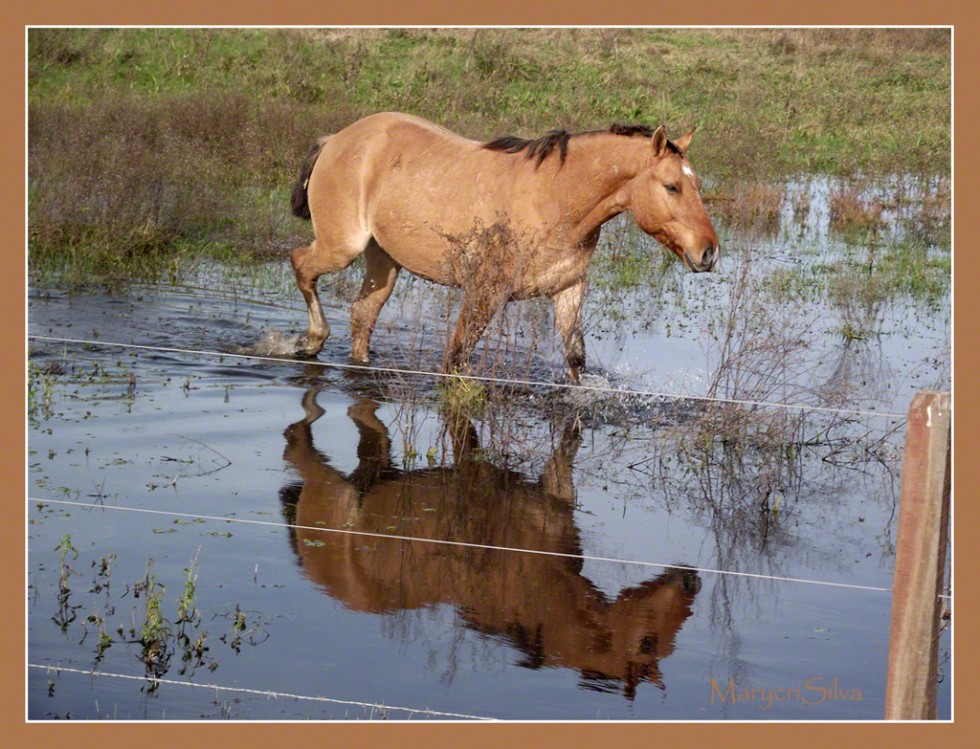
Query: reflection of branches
762	356
857	361
743	469
206	466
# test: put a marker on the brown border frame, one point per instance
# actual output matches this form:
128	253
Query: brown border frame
524	13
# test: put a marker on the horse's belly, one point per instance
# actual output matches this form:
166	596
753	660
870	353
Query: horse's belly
427	259
458	238
529	271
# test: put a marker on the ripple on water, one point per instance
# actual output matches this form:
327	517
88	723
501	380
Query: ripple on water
273	343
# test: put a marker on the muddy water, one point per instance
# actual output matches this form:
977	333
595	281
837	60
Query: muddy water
354	554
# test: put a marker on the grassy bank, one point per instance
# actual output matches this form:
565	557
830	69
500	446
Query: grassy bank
149	146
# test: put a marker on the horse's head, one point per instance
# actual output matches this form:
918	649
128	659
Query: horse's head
665	198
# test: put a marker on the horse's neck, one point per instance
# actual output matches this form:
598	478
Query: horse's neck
593	179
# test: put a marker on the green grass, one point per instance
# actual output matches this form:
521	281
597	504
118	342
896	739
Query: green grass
808	99
186	141
913	270
463	398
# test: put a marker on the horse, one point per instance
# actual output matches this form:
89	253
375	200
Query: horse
542	604
505	219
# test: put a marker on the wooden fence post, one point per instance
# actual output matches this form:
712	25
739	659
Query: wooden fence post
920	561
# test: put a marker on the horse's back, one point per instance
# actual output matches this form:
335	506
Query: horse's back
409	184
378	137
391	154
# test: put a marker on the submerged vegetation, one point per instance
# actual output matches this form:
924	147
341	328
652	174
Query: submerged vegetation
144	629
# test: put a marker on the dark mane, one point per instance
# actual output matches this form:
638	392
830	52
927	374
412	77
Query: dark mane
645	130
630	130
541	148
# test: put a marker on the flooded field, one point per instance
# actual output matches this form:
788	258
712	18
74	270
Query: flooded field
704	531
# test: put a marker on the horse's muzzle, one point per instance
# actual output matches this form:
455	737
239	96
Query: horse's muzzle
709	259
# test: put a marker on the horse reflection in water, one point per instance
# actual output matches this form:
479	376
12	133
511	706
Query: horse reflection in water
539	603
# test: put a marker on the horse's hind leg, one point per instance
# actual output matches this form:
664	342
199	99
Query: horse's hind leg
307	273
379	279
310	263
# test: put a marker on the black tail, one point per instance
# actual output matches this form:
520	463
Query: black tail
301	205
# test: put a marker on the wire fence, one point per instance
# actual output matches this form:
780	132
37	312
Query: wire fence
605	390
458	544
379	709
478	378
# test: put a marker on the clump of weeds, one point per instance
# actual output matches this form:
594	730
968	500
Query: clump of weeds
754	207
914	269
192	643
241	632
104	641
462	396
187	612
238	626
40	389
66	611
155	631
101	584
859	299
103	575
800	201
852	215
157	636
928	219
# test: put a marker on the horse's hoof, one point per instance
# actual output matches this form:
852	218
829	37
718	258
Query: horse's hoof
309	348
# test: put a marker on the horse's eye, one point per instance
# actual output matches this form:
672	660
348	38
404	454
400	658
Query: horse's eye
671	188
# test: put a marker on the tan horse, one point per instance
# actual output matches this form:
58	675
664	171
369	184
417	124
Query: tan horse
540	604
508	219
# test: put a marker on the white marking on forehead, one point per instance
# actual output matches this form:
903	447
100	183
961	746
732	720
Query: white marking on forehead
687	170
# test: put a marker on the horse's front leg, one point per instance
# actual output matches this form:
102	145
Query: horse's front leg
556	478
477	311
568	320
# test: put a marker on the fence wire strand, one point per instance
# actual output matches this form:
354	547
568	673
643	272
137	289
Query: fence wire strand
269	694
462	544
474	378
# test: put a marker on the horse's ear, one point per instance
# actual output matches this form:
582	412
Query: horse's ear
684	141
659	141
